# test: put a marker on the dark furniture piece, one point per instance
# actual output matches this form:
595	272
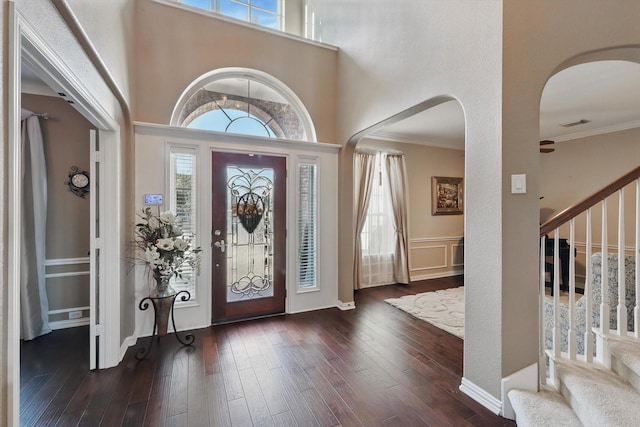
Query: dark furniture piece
564	250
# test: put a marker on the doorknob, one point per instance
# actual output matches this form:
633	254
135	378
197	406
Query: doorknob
220	244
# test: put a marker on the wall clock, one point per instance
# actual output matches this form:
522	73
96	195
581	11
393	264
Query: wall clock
78	182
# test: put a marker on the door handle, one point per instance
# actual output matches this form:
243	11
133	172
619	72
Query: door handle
220	244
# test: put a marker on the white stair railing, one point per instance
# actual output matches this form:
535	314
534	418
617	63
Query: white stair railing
575	329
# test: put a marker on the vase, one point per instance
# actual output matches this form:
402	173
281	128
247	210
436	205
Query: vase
162	287
162	296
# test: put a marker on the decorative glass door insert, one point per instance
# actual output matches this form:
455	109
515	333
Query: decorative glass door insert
249	233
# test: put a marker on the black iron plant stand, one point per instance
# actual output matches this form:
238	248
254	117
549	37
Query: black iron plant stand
162	306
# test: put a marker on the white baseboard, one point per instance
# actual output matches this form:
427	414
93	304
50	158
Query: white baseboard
72	323
437	275
481	396
524	379
128	342
344	306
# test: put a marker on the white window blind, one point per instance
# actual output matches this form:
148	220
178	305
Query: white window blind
183	203
307	225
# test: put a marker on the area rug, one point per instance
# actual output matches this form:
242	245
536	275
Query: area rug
443	309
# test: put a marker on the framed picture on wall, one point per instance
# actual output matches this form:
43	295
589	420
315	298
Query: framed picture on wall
446	196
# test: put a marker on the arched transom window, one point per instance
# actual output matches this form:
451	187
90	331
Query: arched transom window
243	102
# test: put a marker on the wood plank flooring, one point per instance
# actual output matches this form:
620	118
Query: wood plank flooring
372	366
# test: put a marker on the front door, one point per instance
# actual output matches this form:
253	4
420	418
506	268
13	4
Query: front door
249	252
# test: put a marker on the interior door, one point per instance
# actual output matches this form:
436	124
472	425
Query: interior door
94	252
249	235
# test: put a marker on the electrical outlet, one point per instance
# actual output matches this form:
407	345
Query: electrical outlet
75	314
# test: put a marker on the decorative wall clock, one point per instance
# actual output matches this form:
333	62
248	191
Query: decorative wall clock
78	182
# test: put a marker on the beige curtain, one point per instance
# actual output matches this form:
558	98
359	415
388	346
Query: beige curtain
363	172
398	190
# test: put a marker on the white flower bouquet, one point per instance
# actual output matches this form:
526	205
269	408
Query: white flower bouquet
163	247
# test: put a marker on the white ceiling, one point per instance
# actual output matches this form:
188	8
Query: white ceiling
605	93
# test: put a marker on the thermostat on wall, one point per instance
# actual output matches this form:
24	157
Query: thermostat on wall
153	199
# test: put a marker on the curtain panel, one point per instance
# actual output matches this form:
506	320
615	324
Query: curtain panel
364	165
398	190
34	304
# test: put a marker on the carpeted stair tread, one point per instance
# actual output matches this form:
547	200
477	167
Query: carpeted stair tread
625	360
599	397
544	408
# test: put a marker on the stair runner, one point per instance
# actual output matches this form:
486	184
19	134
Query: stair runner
589	396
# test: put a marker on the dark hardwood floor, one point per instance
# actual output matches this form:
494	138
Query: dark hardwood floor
372	366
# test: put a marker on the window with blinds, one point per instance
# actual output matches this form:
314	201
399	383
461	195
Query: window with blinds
183	203
307	226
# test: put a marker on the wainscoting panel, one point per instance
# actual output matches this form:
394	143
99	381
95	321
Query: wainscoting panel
68	292
434	257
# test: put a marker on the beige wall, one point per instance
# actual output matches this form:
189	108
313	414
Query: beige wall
168	61
566	33
580	167
66	144
436	247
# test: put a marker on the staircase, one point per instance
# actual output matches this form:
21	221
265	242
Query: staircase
589	367
590	394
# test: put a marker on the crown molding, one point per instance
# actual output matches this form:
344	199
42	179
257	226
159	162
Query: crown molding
600	131
411	139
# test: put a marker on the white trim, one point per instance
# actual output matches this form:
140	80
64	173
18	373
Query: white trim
344	306
224	18
126	343
436	239
417	139
111	256
71	323
451	273
66	261
481	396
168	131
609	247
307	310
259	76
67	274
452	247
69	310
524	379
593	132
14	203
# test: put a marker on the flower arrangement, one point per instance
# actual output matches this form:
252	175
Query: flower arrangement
163	247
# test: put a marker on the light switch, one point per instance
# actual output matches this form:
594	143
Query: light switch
518	184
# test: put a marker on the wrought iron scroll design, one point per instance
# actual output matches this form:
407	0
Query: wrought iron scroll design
251	199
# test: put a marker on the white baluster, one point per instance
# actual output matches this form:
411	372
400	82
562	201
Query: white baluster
571	333
588	333
636	311
604	284
557	341
621	308
542	356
